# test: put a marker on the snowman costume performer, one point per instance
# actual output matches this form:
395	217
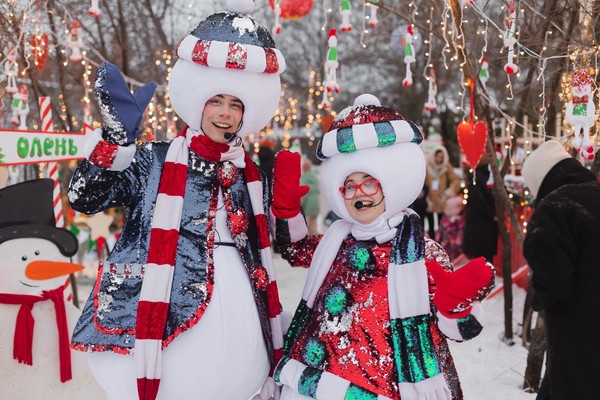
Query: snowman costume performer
380	300
186	304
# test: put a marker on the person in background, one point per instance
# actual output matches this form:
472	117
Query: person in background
480	236
266	161
311	201
420	204
561	246
450	234
442	183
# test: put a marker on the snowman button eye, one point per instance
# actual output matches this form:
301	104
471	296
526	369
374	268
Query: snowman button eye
24	258
37	252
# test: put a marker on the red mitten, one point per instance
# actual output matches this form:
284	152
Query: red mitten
287	191
457	291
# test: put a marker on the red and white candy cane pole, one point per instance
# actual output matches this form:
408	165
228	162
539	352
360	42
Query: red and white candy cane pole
48	126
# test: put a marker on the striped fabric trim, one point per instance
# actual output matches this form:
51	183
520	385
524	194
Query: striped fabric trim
155	294
462	328
318	384
217	54
273	304
364	136
407	283
414	351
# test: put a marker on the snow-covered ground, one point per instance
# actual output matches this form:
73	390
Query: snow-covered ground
489	369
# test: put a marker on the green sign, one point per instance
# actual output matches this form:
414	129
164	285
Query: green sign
31	147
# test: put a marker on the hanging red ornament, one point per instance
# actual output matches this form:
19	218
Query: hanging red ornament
472	139
293	9
39	44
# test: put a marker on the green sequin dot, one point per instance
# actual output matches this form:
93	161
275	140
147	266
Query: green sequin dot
314	352
336	300
360	258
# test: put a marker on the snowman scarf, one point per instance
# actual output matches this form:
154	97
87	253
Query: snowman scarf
23	337
417	364
155	294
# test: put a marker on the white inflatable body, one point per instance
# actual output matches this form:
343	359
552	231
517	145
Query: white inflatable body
223	357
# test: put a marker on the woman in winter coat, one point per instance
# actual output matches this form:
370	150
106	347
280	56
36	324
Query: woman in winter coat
442	183
380	300
561	249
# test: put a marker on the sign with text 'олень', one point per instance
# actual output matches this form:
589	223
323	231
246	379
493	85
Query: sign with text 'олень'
30	147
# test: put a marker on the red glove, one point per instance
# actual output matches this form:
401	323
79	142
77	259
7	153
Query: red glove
457	291
287	191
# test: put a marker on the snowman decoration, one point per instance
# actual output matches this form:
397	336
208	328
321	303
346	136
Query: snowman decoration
20	108
409	56
11	70
332	64
346	10
484	74
35	359
75	42
581	112
94	9
431	104
510	40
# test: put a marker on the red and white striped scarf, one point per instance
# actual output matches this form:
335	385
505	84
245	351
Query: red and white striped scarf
155	294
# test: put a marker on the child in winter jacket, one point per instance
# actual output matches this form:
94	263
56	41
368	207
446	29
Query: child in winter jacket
380	299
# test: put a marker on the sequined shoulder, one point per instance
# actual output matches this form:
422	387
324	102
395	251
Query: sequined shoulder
435	251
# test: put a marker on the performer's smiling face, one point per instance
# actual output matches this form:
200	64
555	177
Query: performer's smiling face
363	197
222	114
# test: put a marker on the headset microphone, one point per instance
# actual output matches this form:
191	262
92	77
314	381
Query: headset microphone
359	204
228	136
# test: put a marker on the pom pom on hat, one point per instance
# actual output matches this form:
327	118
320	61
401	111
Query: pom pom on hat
367	100
540	162
240	6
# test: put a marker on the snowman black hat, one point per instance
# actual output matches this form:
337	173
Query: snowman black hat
28	212
228	53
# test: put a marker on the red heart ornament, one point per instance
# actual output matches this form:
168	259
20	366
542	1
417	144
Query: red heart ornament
472	139
293	9
39	44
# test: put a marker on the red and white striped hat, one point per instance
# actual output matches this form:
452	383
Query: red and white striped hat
228	53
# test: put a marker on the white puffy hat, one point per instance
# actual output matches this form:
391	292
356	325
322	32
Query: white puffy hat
378	141
540	162
228	53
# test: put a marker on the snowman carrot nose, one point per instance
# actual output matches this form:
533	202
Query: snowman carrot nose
40	270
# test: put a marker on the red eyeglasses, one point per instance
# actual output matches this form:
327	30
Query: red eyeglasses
368	187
